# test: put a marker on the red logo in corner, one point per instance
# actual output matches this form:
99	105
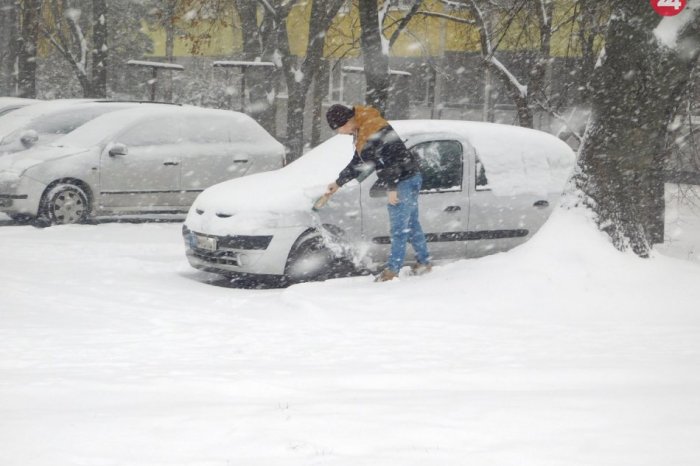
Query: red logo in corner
668	7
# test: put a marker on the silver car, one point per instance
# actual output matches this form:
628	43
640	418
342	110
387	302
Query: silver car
41	124
149	159
486	188
10	104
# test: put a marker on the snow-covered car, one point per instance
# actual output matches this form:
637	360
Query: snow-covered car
9	104
43	124
486	188
19	118
149	159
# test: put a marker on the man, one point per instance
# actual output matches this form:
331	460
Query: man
377	144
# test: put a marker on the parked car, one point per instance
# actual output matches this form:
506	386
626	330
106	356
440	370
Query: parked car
43	124
21	117
486	188
150	159
9	104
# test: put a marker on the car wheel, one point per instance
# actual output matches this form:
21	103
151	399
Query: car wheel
312	260
65	203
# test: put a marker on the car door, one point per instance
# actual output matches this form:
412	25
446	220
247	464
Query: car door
500	222
209	156
147	178
443	201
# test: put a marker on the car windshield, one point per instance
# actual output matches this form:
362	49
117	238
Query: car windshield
48	127
6	110
21	117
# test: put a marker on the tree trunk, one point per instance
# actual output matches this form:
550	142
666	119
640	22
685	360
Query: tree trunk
30	15
320	91
296	105
300	76
8	42
86	84
542	71
263	88
100	48
169	26
587	34
248	15
635	94
376	61
489	109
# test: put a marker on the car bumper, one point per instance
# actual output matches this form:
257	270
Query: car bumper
263	254
20	195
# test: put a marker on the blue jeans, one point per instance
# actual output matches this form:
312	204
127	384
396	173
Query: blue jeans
405	226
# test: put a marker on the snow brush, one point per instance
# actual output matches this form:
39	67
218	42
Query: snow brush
320	202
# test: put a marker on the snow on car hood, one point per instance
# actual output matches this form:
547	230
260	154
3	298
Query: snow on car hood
517	160
20	161
294	187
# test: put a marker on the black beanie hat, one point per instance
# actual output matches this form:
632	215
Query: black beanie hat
338	115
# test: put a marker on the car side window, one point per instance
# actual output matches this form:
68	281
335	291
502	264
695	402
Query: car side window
160	131
208	130
481	181
441	165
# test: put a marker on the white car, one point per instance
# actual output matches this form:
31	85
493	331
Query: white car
486	188
154	158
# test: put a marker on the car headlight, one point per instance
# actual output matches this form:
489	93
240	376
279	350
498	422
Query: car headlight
9	180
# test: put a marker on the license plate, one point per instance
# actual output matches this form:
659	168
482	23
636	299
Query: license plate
204	242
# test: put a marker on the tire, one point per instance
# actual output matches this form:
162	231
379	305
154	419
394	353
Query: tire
65	204
312	260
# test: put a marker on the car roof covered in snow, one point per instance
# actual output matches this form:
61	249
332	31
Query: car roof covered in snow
517	160
16	102
22	116
95	131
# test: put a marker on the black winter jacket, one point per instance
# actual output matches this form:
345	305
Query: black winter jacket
386	152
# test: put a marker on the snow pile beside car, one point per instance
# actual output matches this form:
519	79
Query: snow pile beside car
562	352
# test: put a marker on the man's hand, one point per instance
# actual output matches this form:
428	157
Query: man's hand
332	188
393	197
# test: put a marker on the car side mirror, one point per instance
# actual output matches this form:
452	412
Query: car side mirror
118	149
28	138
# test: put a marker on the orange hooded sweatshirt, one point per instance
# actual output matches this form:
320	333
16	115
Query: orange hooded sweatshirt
369	121
392	160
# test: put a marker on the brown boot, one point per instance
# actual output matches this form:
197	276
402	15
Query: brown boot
421	269
386	275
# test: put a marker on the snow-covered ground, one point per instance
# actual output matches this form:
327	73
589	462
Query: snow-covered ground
561	352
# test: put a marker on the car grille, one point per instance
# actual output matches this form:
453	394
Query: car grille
219	257
245	242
